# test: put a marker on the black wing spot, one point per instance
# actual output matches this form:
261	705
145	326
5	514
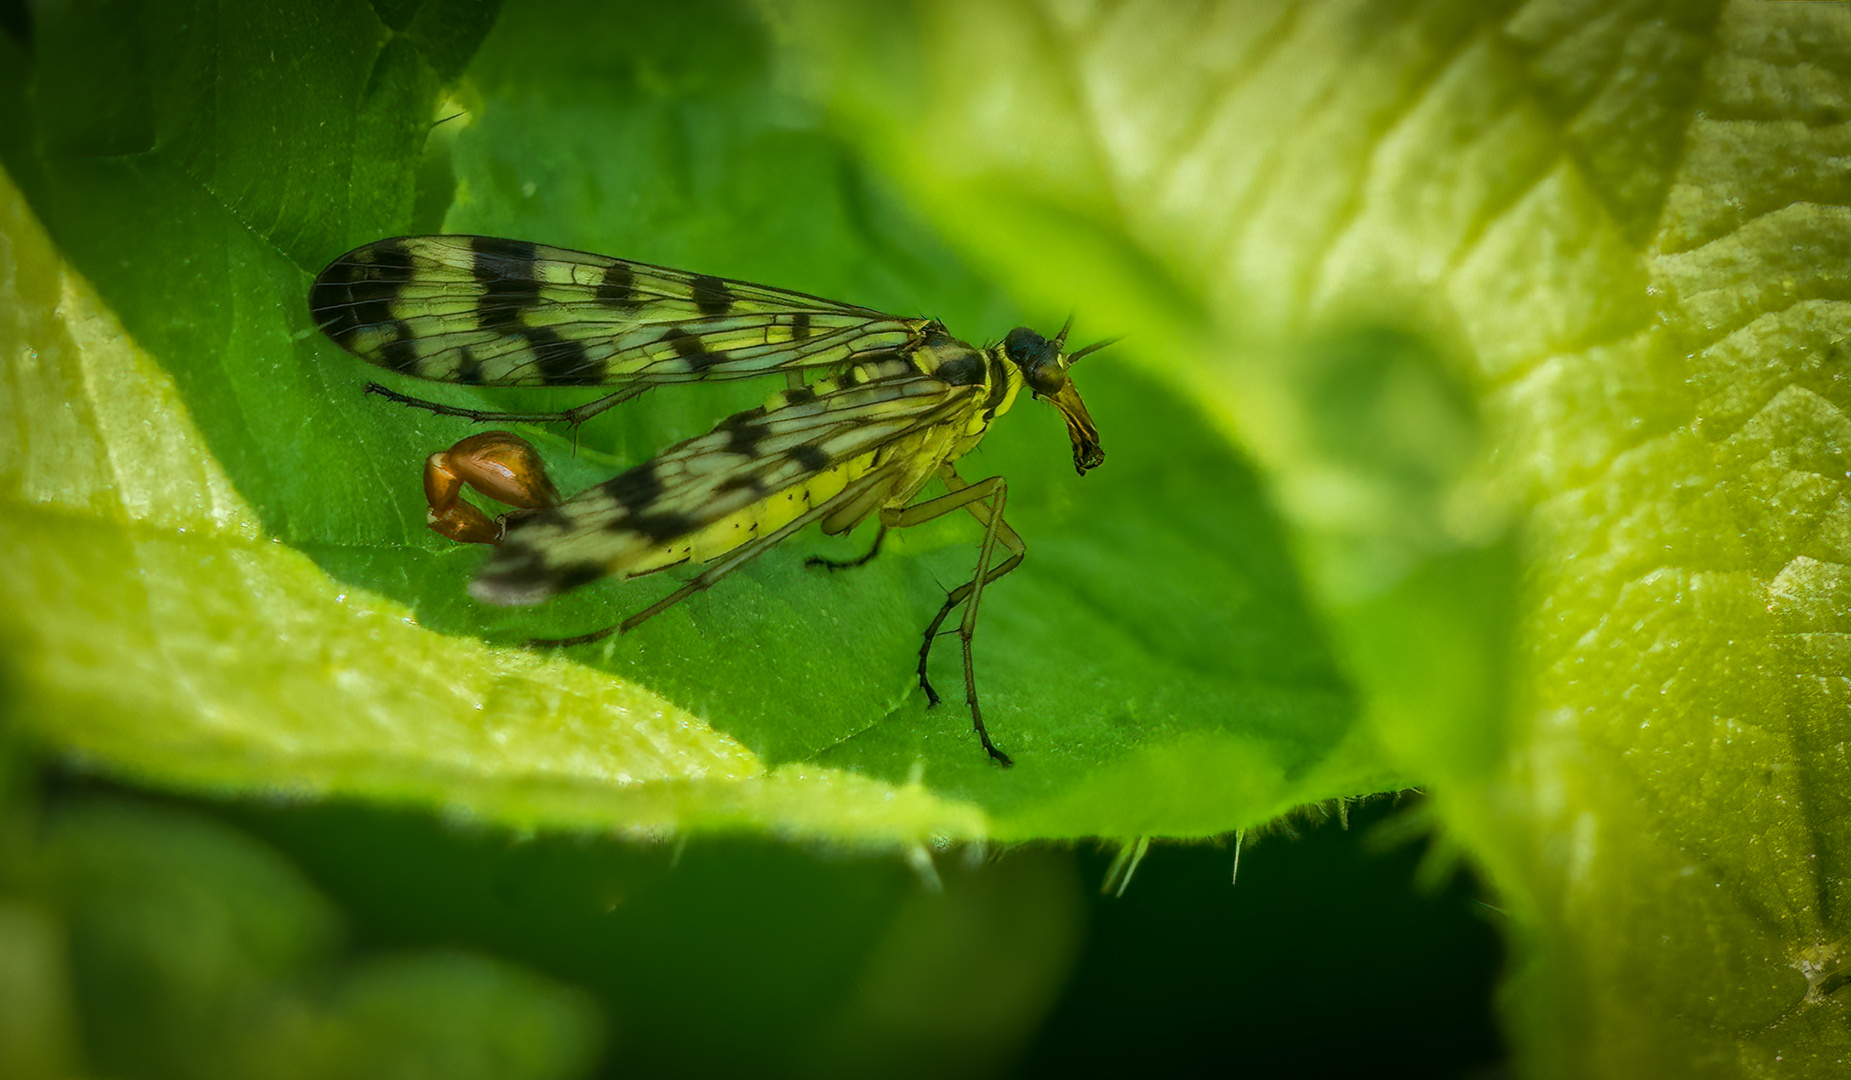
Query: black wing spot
505	270
357	290
689	348
400	354
711	296
515	572
546	517
561	361
745	417
468	367
634	490
659	528
810	458
800	326
524	577
743	439
799	395
497	257
572	575
618	287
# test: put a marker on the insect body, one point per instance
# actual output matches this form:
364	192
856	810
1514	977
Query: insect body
876	407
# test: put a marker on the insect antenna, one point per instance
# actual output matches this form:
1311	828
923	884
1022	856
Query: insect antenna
1074	358
1060	339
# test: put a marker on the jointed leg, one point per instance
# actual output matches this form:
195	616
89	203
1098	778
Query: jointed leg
575	416
981	510
984	500
849	564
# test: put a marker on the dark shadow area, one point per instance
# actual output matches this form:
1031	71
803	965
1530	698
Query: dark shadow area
1324	960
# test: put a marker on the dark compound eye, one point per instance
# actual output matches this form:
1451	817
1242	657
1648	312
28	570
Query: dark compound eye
1038	358
1024	345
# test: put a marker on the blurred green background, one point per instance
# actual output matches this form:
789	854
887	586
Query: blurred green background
1479	428
158	937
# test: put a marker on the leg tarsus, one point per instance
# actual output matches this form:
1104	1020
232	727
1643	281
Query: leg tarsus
970	677
932	634
568	642
970	697
850	564
965	632
984	501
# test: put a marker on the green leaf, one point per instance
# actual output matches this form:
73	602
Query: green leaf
1600	607
219	569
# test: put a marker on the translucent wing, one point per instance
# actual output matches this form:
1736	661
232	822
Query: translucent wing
756	471
485	311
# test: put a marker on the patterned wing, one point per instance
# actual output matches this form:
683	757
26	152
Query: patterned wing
484	311
747	477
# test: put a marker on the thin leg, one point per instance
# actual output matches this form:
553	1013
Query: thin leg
725	565
1009	538
966	630
575	416
850	564
984	500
